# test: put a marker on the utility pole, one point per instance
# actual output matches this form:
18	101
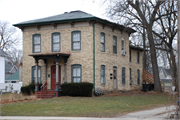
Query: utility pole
178	2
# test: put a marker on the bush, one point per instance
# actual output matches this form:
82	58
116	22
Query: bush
77	89
29	89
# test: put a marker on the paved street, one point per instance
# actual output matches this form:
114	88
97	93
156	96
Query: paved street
154	114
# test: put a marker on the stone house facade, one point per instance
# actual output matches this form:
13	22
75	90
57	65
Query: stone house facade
78	47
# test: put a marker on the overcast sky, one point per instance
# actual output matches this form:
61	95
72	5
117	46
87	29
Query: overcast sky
16	11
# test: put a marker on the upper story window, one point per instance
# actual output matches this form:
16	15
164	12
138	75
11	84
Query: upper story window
76	73
138	77
36	43
56	42
123	76
123	44
76	40
137	57
102	42
102	74
114	45
129	55
34	74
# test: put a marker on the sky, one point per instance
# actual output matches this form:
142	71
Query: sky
16	11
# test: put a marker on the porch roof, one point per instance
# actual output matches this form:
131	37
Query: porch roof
54	55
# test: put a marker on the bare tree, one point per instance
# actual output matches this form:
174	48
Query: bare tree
167	34
142	14
9	36
14	56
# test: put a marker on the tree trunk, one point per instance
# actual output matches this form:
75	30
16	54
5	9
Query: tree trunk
144	46
157	85
173	69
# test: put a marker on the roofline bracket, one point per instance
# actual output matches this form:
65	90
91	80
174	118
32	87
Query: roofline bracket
55	25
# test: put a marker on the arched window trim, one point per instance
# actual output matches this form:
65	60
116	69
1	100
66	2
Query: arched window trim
114	45
138	76
101	43
103	82
52	42
138	58
123	76
123	45
33	43
73	67
32	73
72	48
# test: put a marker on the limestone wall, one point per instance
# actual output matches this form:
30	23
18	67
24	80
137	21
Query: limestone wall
134	67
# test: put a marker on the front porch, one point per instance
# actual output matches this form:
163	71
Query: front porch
51	90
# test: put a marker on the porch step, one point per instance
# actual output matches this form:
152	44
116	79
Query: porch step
46	94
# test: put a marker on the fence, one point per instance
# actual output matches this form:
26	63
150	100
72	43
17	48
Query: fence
10	87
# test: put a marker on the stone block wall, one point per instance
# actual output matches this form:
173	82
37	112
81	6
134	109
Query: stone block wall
134	67
84	57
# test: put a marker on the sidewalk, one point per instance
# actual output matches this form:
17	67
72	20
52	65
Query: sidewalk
154	114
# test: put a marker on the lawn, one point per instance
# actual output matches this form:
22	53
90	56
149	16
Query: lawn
104	106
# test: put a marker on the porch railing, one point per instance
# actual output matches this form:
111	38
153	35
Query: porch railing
148	78
44	87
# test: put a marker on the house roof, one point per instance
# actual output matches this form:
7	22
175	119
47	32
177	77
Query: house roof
166	80
2	53
9	67
14	76
135	47
168	71
150	70
73	16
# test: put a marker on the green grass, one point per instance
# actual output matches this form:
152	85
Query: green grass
105	106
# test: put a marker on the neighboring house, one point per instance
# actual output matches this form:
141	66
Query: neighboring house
164	73
79	47
10	69
14	78
2	66
165	77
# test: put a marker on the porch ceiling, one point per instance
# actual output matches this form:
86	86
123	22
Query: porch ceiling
54	55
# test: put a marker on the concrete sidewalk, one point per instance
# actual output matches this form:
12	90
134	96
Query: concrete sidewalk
154	114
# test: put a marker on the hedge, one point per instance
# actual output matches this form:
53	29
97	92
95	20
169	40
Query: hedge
77	89
29	89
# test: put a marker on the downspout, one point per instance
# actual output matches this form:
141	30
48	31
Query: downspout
94	55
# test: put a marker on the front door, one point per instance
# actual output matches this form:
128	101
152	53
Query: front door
114	78
53	77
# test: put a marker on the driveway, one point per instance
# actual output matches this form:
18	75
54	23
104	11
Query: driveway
154	114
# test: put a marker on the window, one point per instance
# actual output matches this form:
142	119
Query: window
102	74
102	42
138	77
122	44
123	76
36	43
76	40
76	73
129	55
130	76
56	42
137	57
34	74
114	72
114	45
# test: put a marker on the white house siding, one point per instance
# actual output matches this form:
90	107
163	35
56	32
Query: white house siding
2	69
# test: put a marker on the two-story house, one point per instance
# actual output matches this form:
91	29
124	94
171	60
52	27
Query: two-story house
79	47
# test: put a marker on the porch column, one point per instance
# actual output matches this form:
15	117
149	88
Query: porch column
36	80
57	75
65	73
45	68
